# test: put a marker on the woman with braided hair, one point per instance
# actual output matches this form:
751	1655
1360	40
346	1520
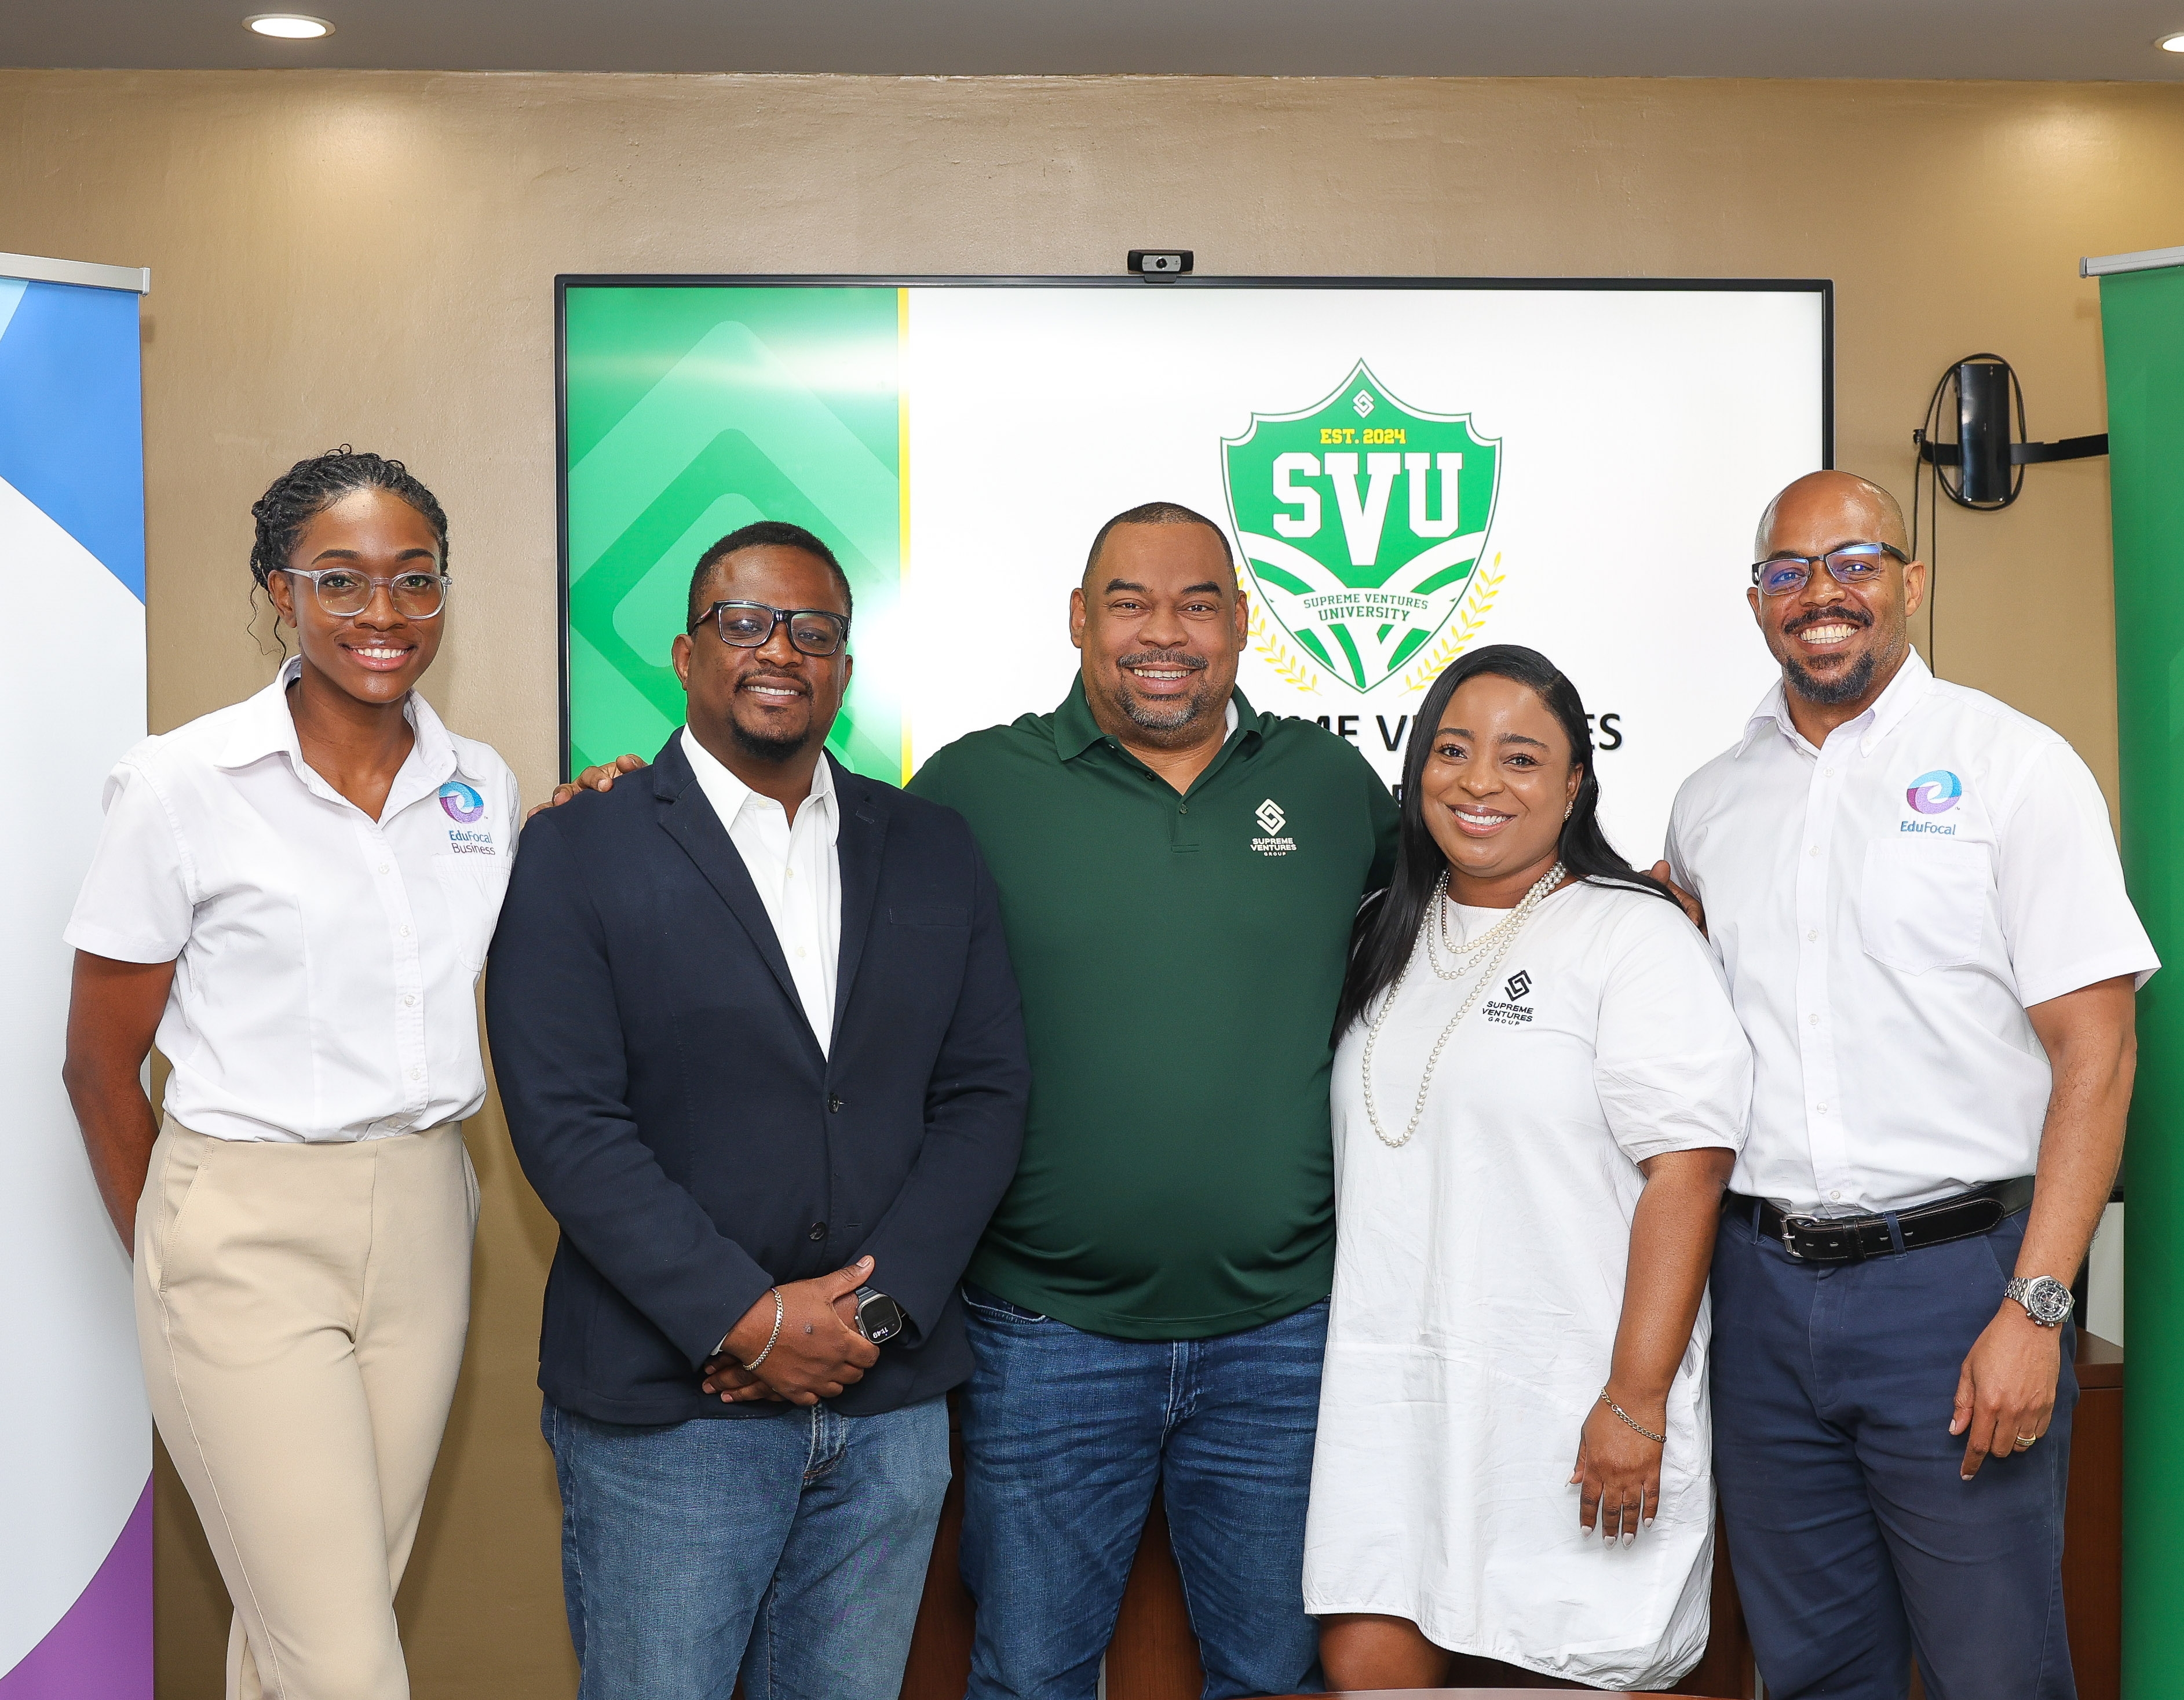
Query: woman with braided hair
293	895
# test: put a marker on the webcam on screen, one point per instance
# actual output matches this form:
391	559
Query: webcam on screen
1155	263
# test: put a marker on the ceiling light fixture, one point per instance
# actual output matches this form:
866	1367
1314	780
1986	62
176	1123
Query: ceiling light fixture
2172	44
289	27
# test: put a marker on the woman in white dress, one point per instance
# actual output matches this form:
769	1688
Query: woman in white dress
295	894
1539	1092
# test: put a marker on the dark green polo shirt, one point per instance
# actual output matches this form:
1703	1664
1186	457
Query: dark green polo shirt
1180	958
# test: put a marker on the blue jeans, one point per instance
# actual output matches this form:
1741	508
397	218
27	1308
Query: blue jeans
1065	1435
1854	1539
790	1550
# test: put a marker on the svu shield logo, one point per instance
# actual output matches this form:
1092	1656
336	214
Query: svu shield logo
1361	519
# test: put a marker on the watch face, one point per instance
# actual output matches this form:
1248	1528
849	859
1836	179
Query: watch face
879	1318
2048	1300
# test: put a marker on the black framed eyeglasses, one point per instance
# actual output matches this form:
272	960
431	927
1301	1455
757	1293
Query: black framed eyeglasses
750	625
1853	566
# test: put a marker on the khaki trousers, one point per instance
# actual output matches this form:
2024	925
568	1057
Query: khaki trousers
301	1310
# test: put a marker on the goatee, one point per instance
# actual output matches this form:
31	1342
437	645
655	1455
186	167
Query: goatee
762	748
1849	687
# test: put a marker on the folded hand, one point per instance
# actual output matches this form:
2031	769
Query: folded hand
813	1353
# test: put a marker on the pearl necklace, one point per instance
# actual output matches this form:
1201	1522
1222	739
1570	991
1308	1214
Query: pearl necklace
1467	952
1503	934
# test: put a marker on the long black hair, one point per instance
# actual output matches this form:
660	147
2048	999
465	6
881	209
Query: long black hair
1386	929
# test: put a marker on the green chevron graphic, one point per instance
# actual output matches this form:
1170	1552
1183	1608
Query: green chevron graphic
694	410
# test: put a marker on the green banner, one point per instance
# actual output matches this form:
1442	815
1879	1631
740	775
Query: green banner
2142	324
692	411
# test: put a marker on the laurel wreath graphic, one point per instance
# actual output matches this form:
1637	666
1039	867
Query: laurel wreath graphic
1485	586
1266	639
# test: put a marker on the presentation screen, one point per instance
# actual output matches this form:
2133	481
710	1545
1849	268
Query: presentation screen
1405	469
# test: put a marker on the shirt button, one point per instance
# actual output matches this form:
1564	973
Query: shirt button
1815	851
1815	1019
788	873
404	929
833	1103
799	950
382	867
416	1074
1812	938
1835	1197
818	1231
1183	809
1822	1108
409	998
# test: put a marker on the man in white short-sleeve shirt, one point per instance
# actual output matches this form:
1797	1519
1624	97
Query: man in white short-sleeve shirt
1916	896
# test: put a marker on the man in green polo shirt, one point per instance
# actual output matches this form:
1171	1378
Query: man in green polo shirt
1177	873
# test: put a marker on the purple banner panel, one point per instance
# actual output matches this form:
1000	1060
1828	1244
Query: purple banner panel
102	1649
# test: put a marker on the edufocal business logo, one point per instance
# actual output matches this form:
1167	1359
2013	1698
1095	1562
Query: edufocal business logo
1935	792
462	804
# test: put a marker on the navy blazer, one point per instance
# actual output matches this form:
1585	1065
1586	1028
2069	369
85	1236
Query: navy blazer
671	1104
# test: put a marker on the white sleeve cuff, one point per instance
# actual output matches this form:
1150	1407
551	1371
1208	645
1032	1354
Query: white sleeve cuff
2090	971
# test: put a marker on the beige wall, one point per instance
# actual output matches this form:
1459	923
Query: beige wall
370	257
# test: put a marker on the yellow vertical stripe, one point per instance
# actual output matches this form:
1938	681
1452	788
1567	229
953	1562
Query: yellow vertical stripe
902	482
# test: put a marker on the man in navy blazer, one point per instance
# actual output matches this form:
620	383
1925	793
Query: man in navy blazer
755	1029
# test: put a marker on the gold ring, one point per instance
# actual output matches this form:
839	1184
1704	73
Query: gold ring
2025	1442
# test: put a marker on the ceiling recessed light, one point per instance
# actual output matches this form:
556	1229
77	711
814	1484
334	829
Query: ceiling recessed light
2172	44
290	27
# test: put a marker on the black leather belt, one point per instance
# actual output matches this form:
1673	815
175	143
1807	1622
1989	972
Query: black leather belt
1853	1239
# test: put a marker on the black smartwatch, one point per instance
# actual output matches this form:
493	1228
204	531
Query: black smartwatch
879	1318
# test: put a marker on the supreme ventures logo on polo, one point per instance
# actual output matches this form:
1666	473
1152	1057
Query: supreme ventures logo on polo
1272	819
1510	1010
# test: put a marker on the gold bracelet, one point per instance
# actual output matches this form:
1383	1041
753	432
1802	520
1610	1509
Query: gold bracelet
1657	1440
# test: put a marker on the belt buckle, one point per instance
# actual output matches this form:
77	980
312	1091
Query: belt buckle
1845	1248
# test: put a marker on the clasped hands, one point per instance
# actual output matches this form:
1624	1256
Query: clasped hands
817	1353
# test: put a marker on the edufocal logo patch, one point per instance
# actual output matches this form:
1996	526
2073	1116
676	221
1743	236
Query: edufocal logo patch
1935	792
461	802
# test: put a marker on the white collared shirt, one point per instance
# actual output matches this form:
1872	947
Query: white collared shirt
1886	908
326	963
796	868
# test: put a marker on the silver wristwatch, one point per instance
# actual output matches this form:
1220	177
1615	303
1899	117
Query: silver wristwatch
2046	1300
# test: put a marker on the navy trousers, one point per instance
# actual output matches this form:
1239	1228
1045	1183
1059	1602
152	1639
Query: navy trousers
1855	1541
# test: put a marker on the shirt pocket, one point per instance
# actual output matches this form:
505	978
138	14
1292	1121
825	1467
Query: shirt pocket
471	887
1923	902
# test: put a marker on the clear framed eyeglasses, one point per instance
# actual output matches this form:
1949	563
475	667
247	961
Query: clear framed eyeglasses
343	591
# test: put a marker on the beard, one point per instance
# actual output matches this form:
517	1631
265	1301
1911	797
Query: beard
1171	715
761	748
1849	686
1855	680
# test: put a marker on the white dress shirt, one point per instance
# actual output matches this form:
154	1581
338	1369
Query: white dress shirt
1886	908
796	869
326	963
